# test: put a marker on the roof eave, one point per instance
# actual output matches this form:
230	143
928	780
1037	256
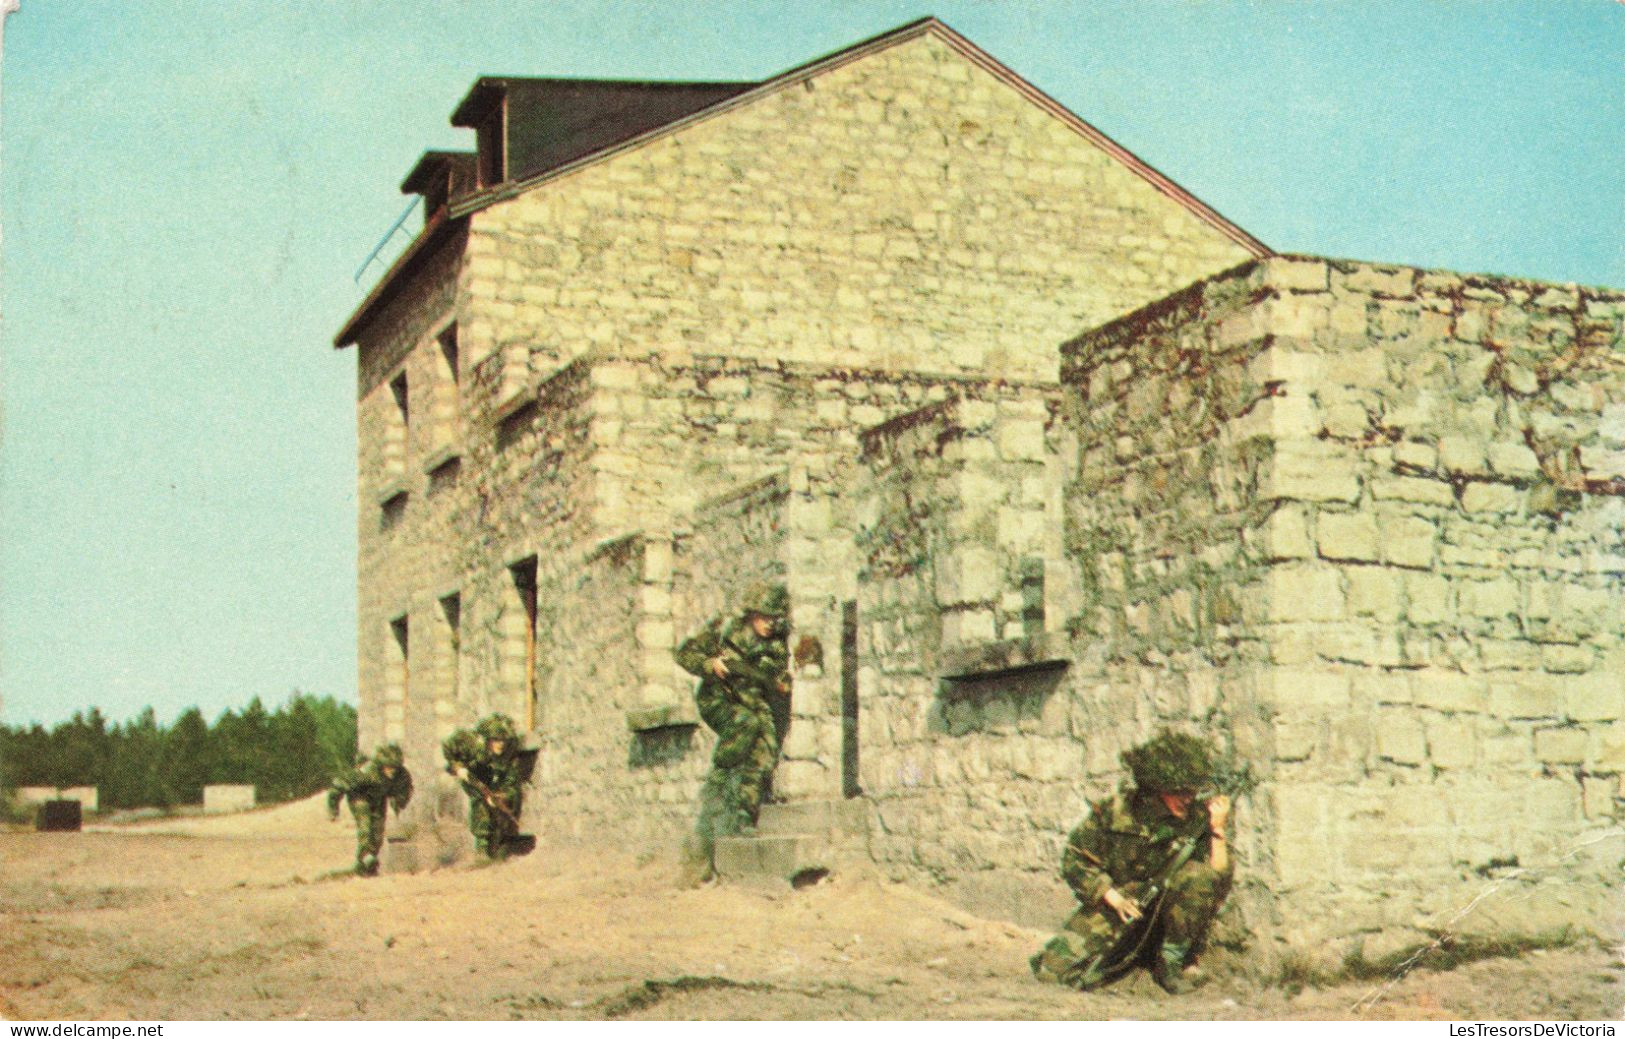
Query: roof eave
436	231
474	106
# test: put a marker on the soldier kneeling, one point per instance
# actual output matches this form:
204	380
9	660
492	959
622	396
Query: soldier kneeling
1150	866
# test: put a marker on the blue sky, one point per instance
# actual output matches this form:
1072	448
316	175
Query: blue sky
188	187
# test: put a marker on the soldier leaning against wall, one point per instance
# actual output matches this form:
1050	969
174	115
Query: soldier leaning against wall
744	672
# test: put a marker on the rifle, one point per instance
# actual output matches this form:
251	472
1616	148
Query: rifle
491	797
1121	956
761	676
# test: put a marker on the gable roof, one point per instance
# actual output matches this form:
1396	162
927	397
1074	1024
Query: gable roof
735	95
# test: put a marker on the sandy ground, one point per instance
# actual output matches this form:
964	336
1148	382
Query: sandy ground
247	917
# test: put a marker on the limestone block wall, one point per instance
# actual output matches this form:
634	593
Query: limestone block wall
1379	557
602	448
736	539
953	506
903	210
595	775
441	622
399	554
1168	431
1447	598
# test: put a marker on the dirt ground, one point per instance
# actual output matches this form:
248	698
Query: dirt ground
245	917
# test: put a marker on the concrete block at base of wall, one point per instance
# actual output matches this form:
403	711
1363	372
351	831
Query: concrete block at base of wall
773	860
87	796
399	855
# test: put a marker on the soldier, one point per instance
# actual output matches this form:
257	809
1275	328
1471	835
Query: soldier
744	673
370	788
1150	866
486	762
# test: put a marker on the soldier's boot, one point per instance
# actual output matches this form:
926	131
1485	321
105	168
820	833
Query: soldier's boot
367	866
1172	971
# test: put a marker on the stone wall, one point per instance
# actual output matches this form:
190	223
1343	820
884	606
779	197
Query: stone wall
1396	571
604	448
398	553
964	725
596	774
900	211
1166	438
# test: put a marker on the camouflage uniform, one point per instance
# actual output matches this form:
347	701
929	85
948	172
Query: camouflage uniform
498	773
739	709
370	792
1131	842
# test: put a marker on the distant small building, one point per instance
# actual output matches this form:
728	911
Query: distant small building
228	797
87	796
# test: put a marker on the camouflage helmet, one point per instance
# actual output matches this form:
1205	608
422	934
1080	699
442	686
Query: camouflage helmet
461	747
1171	761
768	600
496	727
389	755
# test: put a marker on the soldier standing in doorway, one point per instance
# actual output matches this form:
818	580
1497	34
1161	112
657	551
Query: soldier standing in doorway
1150	866
744	672
486	762
370	788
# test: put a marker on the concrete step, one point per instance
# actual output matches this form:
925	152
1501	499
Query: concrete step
783	858
838	819
398	855
795	841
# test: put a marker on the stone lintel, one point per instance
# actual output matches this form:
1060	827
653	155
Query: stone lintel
662	716
513	403
447	453
991	659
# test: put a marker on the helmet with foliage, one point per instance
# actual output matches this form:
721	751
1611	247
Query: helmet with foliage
497	727
389	755
461	747
768	600
1171	761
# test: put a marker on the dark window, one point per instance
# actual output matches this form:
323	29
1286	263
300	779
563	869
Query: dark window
849	700
491	137
397	386
393	511
451	607
524	586
448	349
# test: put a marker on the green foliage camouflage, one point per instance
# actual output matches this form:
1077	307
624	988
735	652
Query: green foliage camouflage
1171	761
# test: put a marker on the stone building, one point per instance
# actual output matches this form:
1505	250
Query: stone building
1048	454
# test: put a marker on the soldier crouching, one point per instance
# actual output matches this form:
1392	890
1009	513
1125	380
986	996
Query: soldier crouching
486	762
370	788
1151	867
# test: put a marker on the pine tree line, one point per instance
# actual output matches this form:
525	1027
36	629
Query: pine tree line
287	753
